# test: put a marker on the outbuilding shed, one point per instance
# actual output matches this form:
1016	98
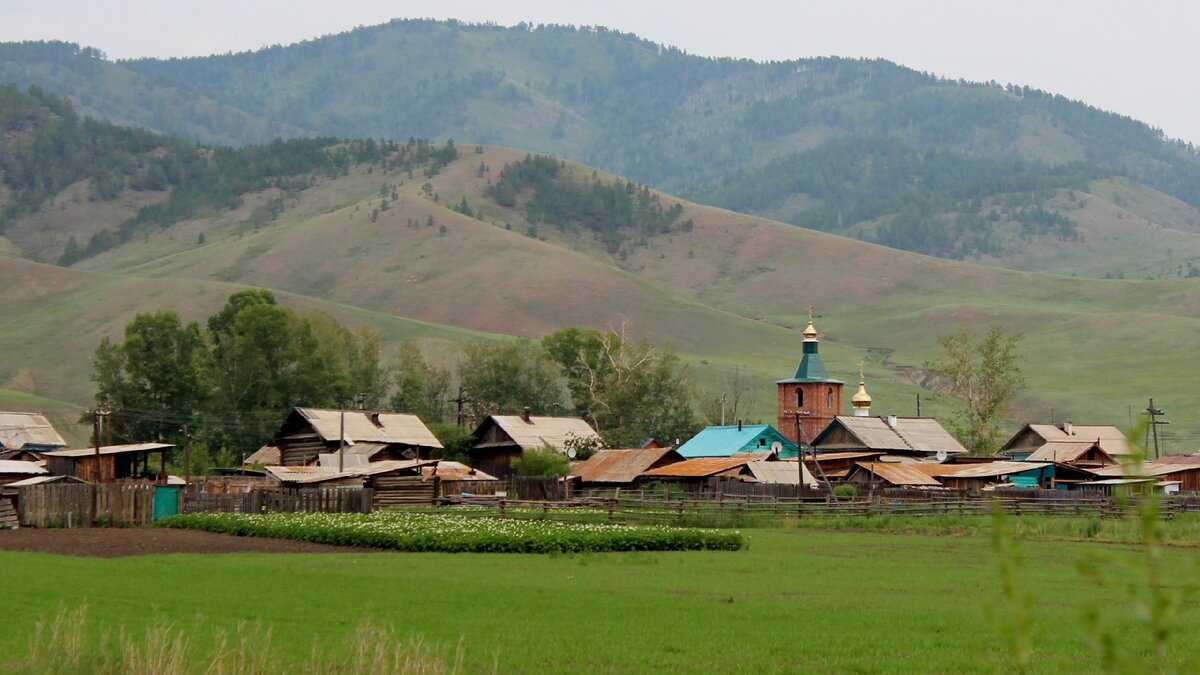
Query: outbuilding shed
28	431
622	467
112	462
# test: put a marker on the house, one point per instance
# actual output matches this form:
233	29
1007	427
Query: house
621	467
12	471
837	465
727	441
267	455
1187	474
976	477
919	437
375	436
1033	436
500	439
31	432
1083	453
112	462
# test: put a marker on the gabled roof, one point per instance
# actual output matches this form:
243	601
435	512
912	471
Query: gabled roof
919	434
1065	451
368	427
267	455
622	465
537	431
783	472
320	474
42	480
1145	470
725	441
1187	460
1111	438
899	474
454	471
700	467
18	429
15	467
111	450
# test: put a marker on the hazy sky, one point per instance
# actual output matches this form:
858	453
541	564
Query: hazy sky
1134	58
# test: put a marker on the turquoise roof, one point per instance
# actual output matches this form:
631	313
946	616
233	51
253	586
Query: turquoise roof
725	441
810	368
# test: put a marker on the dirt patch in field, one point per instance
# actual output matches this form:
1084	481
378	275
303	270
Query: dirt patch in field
118	542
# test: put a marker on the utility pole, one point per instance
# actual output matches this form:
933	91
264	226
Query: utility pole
722	408
1152	427
360	401
342	444
462	400
187	457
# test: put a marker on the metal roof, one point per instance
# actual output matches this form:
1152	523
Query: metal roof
40	480
1185	460
921	434
706	466
18	429
111	450
1062	451
1147	469
781	472
538	431
317	473
938	468
12	466
1111	439
620	466
370	427
997	469
898	473
810	368
720	441
454	471
853	454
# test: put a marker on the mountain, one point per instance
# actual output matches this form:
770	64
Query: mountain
449	242
1001	175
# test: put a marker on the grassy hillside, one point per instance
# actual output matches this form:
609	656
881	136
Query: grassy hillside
729	293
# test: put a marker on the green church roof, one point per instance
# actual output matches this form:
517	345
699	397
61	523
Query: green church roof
810	368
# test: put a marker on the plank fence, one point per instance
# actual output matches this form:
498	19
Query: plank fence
281	500
76	505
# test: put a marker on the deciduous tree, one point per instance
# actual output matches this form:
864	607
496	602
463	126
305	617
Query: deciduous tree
984	374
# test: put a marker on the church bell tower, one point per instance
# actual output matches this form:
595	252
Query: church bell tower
809	399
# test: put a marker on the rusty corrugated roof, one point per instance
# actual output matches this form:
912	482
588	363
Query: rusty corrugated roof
454	471
899	474
699	467
997	469
621	465
18	429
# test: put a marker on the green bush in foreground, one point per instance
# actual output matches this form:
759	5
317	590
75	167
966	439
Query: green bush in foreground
419	532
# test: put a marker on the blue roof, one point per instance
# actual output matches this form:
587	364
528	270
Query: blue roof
725	441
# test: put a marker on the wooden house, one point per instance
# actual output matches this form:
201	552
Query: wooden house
833	466
375	436
621	467
976	477
919	437
725	441
28	431
500	439
112	463
1031	437
892	474
1082	453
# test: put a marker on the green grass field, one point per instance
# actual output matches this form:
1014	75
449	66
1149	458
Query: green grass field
795	601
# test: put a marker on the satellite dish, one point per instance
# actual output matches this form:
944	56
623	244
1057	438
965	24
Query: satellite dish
777	447
571	453
941	455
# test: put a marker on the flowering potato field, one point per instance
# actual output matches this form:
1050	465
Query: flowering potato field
458	534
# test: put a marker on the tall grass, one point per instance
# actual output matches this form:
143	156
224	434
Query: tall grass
62	645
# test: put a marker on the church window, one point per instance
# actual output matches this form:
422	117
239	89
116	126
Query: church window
799	397
829	398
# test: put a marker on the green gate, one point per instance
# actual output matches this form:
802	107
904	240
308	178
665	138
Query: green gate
166	501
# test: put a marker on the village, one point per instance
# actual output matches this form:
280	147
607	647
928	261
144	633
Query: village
358	460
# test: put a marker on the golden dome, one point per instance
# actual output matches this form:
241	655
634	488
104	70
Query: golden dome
861	398
810	333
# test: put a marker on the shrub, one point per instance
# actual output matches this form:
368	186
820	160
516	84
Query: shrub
844	491
543	461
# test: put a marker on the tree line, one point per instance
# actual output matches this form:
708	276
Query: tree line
230	381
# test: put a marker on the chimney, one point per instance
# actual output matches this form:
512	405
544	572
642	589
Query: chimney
891	421
1068	429
525	416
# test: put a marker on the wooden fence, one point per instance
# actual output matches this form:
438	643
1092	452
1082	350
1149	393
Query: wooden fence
287	500
76	505
538	488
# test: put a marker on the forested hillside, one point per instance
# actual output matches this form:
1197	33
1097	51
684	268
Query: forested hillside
950	168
